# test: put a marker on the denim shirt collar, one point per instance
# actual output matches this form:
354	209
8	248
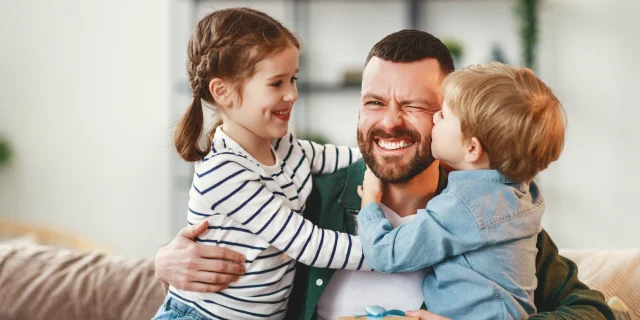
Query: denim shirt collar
486	175
482	175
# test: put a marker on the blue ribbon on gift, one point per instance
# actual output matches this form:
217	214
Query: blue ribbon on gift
378	312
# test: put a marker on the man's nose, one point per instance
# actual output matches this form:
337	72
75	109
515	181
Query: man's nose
392	118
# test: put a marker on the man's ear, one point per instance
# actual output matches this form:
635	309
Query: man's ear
474	151
221	92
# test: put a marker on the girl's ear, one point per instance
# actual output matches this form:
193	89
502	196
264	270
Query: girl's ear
221	92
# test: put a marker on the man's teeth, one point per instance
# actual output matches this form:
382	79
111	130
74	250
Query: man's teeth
283	112
394	145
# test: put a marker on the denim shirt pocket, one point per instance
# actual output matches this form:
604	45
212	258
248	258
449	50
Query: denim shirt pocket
502	215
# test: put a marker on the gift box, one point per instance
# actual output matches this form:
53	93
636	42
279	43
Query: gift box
377	318
379	313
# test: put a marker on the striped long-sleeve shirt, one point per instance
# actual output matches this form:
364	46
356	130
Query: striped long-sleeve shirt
256	210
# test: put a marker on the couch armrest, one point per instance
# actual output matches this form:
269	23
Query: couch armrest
615	273
40	282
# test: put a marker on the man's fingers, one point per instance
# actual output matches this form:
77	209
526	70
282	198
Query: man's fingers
204	287
214	252
214	278
425	315
221	266
191	232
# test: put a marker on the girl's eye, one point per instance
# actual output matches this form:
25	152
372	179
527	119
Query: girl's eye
277	83
294	79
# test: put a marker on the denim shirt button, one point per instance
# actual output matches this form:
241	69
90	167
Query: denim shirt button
319	282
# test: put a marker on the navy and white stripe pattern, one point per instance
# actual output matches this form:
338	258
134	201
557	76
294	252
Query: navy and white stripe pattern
256	210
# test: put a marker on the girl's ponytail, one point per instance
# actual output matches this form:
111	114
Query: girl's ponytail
187	135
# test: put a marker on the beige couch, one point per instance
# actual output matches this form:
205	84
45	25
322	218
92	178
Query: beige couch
615	273
40	282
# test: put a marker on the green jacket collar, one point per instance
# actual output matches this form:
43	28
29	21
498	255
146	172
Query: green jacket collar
355	175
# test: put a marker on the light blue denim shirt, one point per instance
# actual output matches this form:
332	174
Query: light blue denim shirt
478	235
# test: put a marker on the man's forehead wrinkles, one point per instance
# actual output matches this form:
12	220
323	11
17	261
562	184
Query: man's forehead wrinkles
422	98
412	88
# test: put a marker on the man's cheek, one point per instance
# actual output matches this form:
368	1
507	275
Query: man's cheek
367	120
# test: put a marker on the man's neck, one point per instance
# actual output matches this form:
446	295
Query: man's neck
405	199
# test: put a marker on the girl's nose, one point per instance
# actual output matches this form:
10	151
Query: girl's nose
292	94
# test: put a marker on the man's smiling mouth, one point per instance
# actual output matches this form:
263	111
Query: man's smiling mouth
394	144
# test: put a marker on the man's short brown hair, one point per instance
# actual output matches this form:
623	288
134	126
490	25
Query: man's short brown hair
410	46
516	117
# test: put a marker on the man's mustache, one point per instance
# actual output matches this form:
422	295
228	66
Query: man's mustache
395	134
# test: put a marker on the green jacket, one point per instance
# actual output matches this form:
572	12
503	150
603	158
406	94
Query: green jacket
332	205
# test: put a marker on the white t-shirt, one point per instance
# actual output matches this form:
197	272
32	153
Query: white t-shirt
349	292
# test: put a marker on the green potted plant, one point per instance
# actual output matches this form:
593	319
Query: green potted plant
5	152
457	50
527	16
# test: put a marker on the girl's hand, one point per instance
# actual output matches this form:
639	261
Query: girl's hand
371	188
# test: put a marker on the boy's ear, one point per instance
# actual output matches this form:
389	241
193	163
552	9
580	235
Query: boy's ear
474	151
221	92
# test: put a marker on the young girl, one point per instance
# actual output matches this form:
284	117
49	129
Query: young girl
252	180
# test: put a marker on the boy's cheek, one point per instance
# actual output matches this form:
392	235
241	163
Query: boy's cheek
434	148
436	145
435	137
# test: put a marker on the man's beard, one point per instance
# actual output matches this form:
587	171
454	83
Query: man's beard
392	170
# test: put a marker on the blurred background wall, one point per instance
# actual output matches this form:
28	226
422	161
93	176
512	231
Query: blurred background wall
90	91
85	99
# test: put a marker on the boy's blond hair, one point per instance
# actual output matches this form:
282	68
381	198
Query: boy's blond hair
518	120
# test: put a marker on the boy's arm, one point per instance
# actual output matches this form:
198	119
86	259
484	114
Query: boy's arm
328	158
560	295
444	229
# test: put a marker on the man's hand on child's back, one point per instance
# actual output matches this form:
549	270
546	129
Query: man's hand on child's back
425	315
191	266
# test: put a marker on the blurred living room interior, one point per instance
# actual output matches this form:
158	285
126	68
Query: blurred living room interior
92	90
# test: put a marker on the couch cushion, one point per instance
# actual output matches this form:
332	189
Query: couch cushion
40	282
615	273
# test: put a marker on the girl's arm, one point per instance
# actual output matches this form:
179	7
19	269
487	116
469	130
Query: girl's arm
232	189
328	158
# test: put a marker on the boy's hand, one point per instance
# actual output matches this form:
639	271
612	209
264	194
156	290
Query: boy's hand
371	188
